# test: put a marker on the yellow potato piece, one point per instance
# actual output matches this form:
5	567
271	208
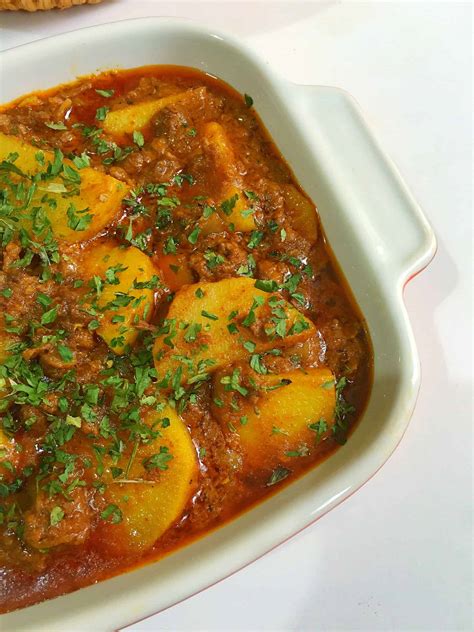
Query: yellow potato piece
214	342
149	508
273	425
302	213
136	117
95	261
99	193
217	144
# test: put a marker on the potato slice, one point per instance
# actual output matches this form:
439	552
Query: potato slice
278	425
199	327
235	207
121	304
170	468
302	213
99	195
136	117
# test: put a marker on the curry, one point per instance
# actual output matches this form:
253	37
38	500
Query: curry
176	340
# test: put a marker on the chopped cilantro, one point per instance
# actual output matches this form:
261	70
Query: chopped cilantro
249	346
138	139
328	385
170	246
49	316
78	220
256	237
232	383
248	268
228	205
278	474
319	427
192	332
250	195
43	299
213	259
112	514
105	93
56	515
303	450
65	353
101	113
81	161
207	211
257	365
56	126
266	285
159	460
193	236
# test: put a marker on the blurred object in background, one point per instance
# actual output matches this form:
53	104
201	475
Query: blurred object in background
41	5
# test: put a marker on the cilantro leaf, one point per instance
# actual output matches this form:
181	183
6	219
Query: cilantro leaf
49	316
159	460
56	515
138	138
79	220
56	126
105	93
267	285
113	512
278	474
101	113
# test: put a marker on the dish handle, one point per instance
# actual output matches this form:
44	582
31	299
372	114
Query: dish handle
366	181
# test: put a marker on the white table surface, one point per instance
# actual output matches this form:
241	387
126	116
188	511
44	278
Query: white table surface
398	554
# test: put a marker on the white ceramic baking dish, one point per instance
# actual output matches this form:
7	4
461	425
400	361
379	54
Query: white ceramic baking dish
380	238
